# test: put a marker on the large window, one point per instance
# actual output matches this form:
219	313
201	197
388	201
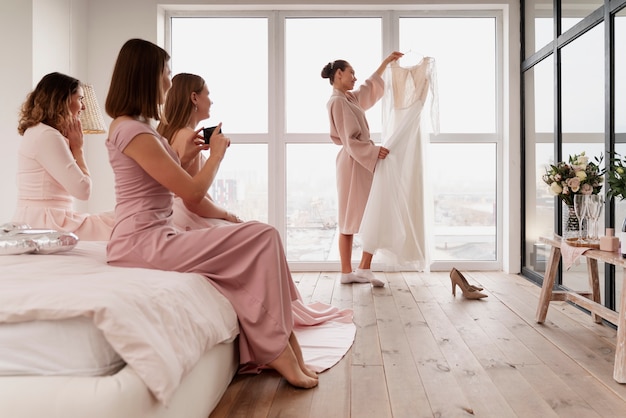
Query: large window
573	92
263	72
239	90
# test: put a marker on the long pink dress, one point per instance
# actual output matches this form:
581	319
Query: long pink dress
325	332
358	155
185	220
48	181
245	262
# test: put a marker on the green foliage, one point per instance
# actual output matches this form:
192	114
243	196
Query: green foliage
616	177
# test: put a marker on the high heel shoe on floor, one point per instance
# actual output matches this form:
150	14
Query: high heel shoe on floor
469	292
464	280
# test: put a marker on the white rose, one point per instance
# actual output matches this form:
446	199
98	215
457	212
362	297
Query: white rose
556	188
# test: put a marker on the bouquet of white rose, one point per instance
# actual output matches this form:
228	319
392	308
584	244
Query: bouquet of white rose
579	176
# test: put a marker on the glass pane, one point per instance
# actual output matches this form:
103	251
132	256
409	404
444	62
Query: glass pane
237	81
582	75
465	204
464	64
582	78
312	43
573	11
620	211
620	80
620	128
539	140
312	231
539	24
241	182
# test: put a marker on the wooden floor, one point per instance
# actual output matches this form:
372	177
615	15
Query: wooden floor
420	352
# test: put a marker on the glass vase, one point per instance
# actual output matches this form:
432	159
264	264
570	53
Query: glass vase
570	226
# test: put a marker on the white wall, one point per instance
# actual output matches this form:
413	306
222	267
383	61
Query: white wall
93	31
16	73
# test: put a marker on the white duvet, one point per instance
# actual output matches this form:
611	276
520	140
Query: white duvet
159	322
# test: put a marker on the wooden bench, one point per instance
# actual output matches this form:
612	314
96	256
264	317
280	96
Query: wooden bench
588	300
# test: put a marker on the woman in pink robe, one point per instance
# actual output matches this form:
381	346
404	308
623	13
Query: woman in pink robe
244	261
357	157
51	168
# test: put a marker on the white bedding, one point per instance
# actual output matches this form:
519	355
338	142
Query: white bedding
160	323
64	347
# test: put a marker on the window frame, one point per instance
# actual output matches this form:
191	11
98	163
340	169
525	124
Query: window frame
277	138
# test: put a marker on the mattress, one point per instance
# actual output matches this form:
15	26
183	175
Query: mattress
158	322
66	347
122	394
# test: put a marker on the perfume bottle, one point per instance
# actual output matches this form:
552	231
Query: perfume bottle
611	243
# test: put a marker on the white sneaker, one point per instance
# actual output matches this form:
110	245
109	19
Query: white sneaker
367	274
347	278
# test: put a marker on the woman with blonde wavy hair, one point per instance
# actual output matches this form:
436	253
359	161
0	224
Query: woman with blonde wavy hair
51	167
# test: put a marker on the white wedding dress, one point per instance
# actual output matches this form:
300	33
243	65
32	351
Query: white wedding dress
394	222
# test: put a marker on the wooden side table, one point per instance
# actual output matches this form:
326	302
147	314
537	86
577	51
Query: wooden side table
588	300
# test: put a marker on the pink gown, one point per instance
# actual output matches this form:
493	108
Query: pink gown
245	262
186	220
48	181
358	155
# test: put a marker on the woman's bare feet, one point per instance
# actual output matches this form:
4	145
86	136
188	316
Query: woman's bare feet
287	365
295	346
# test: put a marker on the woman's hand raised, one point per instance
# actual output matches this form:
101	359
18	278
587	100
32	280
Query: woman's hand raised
219	142
191	148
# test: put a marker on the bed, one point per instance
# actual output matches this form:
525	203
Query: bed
81	338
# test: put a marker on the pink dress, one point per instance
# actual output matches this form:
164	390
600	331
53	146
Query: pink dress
358	155
186	220
325	333
245	262
48	180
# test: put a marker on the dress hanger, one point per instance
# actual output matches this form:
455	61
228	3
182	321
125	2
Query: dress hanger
411	58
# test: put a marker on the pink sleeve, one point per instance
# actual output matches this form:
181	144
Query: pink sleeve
126	131
54	155
370	91
346	130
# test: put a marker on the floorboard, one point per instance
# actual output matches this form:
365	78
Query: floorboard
419	351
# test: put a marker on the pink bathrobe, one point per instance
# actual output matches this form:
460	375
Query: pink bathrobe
358	155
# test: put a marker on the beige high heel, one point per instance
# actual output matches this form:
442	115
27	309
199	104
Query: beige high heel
457	279
464	280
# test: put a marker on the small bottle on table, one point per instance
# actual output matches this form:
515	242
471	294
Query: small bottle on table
611	243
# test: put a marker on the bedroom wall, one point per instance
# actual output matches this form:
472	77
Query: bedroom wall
94	30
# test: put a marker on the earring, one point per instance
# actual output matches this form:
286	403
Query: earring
195	108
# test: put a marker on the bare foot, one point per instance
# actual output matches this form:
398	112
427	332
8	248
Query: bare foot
309	372
287	365
297	351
